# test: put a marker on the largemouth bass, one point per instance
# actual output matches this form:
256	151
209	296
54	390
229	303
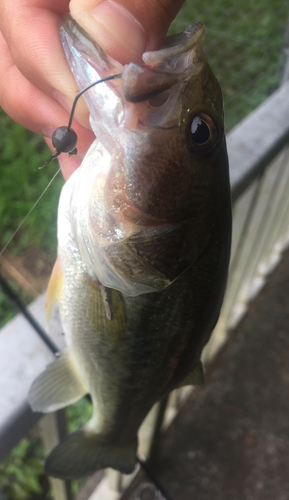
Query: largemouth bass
144	230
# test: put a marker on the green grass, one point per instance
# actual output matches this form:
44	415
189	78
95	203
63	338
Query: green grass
21	155
22	472
78	414
243	45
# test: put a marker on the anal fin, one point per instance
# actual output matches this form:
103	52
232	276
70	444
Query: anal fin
58	386
85	452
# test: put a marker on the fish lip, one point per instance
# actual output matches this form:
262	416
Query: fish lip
88	48
180	56
175	45
81	39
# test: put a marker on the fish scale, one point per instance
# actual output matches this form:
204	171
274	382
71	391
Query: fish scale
144	232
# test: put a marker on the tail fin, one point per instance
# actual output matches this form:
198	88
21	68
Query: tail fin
83	453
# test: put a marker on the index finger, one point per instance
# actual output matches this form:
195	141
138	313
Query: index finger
31	31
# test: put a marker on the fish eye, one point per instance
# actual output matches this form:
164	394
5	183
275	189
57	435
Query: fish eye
203	134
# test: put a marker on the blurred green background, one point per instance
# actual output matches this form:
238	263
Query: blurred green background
245	45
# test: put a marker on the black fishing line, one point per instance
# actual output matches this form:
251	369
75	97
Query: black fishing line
14	298
64	139
113	77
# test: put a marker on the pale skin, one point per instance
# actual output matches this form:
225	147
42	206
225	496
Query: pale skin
36	86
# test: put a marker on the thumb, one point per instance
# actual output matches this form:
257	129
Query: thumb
125	29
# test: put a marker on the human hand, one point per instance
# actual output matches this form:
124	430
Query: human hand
36	85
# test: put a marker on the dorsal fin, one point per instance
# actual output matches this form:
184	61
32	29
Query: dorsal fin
106	311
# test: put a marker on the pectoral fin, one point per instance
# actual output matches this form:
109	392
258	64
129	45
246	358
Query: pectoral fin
58	386
54	290
195	377
107	311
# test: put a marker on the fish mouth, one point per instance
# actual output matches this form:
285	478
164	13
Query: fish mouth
129	114
146	96
161	70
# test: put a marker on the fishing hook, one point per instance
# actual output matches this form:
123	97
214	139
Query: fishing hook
64	139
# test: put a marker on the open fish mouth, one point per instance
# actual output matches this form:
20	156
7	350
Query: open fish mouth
166	60
164	68
176	61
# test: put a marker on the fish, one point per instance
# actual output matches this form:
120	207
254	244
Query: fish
144	234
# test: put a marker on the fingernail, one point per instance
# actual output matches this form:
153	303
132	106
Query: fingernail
47	131
118	32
